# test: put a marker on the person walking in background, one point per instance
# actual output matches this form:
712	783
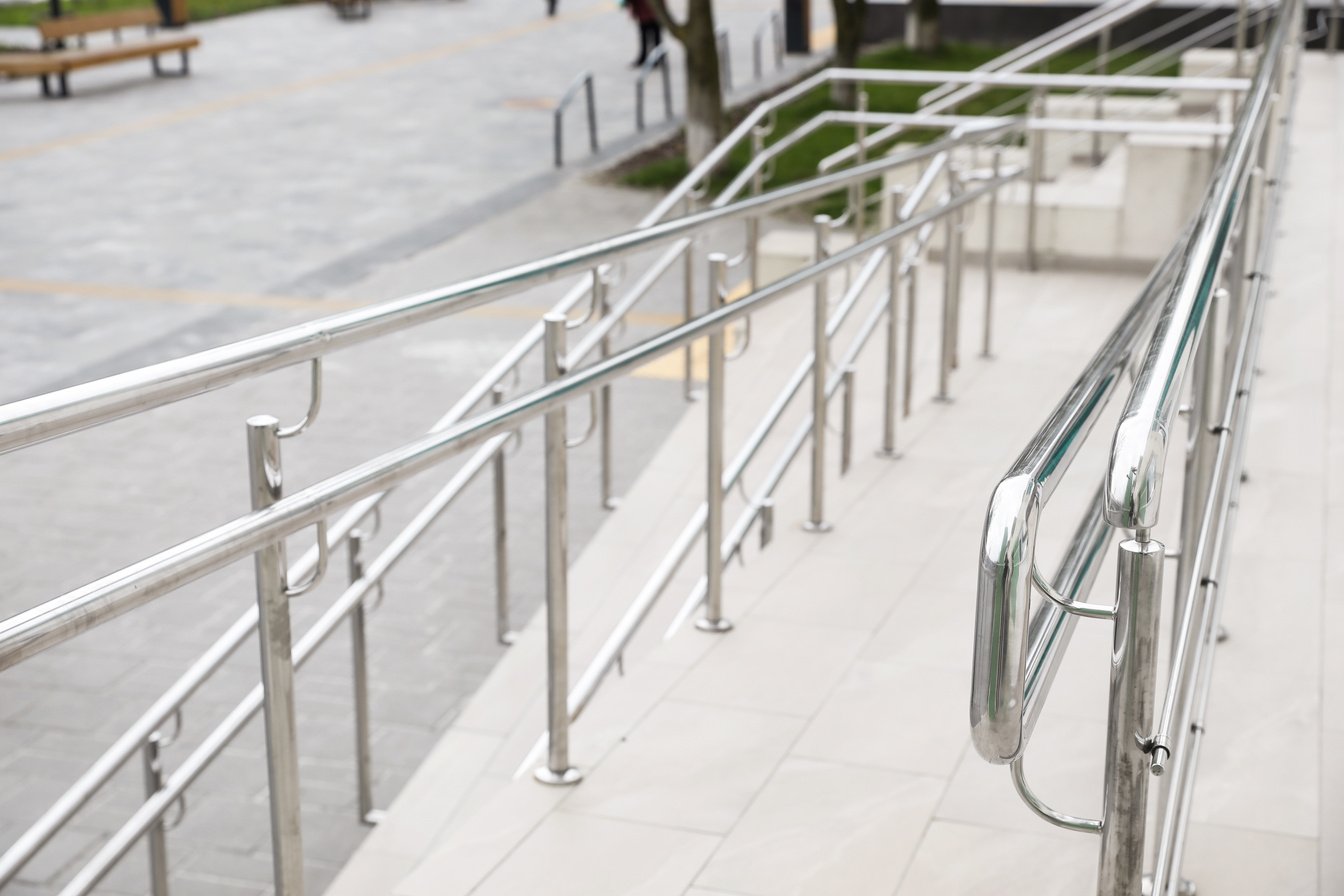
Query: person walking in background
650	29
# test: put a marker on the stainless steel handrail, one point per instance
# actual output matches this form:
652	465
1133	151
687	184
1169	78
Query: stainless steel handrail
1138	453
57	620
583	80
656	59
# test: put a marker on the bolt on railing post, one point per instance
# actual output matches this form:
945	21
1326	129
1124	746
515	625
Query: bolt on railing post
991	225
1035	164
557	769
157	837
1133	669
816	520
503	630
277	664
713	620
602	302
951	261
359	654
846	419
688	304
889	399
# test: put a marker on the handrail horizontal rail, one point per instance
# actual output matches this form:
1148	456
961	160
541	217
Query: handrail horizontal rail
1139	449
1000	676
44	417
57	620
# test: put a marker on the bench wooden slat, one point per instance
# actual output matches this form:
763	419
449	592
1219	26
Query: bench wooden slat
57	61
72	26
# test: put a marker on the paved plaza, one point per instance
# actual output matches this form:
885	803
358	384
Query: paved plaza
309	165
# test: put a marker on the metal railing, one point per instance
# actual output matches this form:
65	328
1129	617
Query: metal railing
657	59
723	45
584	81
774	26
357	493
1217	271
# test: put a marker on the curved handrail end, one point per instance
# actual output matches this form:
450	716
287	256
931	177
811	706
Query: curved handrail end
1134	476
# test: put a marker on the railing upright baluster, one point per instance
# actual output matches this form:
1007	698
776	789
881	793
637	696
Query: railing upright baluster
557	769
991	225
889	396
499	496
602	302
277	664
1035	170
816	520
713	620
157	838
359	651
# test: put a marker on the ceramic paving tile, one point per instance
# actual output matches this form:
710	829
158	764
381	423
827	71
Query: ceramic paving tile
819	828
1266	600
977	861
837	591
1332	813
773	666
893	716
1220	859
1332	667
928	628
577	855
687	765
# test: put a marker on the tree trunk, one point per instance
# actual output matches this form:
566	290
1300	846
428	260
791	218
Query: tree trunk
849	18
704	90
922	30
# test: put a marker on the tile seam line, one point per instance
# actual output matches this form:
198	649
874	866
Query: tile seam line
408	60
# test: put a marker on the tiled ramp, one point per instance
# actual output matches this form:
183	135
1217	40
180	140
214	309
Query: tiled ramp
821	747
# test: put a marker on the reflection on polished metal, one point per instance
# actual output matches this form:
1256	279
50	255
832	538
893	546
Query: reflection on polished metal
277	663
713	620
557	769
816	520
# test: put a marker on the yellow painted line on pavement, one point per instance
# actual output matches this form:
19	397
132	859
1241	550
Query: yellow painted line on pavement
121	293
242	99
672	366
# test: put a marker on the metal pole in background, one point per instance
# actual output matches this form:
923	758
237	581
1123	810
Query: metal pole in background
1129	728
846	418
713	620
503	630
1332	29
1239	42
889	399
277	664
956	260
947	350
592	113
557	769
859	196
754	222
911	295
157	838
360	665
991	224
602	302
1035	163
816	520
1104	64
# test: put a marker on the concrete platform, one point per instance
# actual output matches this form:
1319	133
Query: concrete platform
821	747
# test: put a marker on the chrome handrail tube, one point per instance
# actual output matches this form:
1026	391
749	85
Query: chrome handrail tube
1138	452
999	727
57	620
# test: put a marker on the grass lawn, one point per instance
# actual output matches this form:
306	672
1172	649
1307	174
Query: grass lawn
198	10
663	168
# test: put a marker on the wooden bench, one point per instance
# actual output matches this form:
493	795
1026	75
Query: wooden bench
57	60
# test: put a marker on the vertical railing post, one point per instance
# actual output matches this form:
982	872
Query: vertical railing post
359	652
666	72
688	303
601	301
592	113
1201	447
991	225
846	419
754	222
889	397
713	620
499	493
947	360
557	769
816	520
1129	728
277	664
157	836
911	301
1035	164
1239	42
859	195
1332	29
